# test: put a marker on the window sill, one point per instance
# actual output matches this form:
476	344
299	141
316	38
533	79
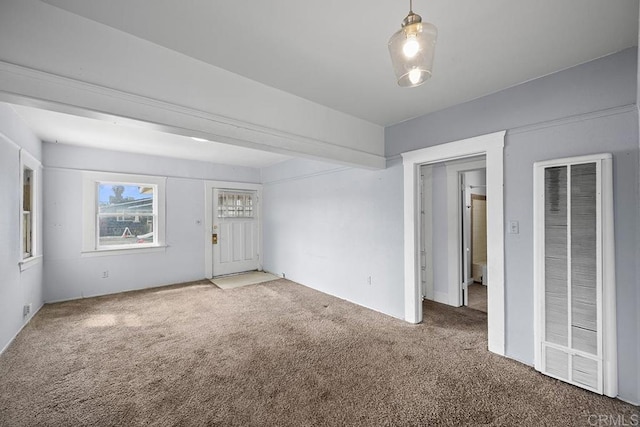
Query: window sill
123	251
27	263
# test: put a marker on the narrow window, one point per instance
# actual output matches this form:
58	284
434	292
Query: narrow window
27	212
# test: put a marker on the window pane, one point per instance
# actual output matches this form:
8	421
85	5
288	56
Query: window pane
235	204
26	234
137	229
27	196
125	199
27	179
125	214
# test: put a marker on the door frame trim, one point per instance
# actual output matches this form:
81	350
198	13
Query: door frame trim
492	146
426	238
208	217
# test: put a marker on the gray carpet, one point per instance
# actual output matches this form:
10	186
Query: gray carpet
276	353
477	296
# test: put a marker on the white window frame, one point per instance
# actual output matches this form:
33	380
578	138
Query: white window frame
28	161
90	241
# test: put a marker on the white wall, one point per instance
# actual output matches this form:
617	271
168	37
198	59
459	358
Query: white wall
69	275
331	228
16	288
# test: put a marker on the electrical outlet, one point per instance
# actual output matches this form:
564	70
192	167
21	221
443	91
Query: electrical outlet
105	274
26	310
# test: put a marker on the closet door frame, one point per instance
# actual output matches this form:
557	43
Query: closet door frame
607	351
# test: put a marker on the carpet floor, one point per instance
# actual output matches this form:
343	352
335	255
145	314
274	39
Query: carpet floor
477	297
275	353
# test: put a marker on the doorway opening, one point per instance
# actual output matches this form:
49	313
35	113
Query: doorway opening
474	241
449	193
491	146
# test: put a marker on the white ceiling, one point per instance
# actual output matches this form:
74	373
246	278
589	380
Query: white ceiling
135	137
334	52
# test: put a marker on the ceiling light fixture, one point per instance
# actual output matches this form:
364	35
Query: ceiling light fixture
411	49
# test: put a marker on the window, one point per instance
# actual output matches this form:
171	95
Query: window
29	209
127	214
123	212
232	204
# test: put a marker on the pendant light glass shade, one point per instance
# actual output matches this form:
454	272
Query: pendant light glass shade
412	49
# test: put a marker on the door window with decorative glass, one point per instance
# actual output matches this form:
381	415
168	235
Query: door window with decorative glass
234	204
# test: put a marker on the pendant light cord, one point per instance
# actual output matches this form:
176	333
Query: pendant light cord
410	6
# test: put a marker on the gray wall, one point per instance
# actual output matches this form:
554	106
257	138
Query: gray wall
582	110
16	288
597	85
68	275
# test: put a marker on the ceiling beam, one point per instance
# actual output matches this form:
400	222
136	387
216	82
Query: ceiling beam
53	59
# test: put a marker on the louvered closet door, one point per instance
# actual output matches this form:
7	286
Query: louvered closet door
570	273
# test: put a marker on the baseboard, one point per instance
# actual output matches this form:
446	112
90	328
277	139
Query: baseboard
102	294
633	402
359	304
21	328
280	275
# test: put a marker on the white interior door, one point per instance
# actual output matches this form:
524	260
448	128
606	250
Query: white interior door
236	231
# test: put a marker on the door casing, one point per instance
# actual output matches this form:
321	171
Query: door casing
491	145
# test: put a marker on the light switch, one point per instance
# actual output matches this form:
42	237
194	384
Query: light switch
514	227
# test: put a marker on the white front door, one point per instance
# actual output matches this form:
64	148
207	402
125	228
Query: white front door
236	231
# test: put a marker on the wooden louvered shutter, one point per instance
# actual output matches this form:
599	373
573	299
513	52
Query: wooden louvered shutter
574	282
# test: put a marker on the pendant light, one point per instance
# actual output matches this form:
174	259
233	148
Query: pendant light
412	49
